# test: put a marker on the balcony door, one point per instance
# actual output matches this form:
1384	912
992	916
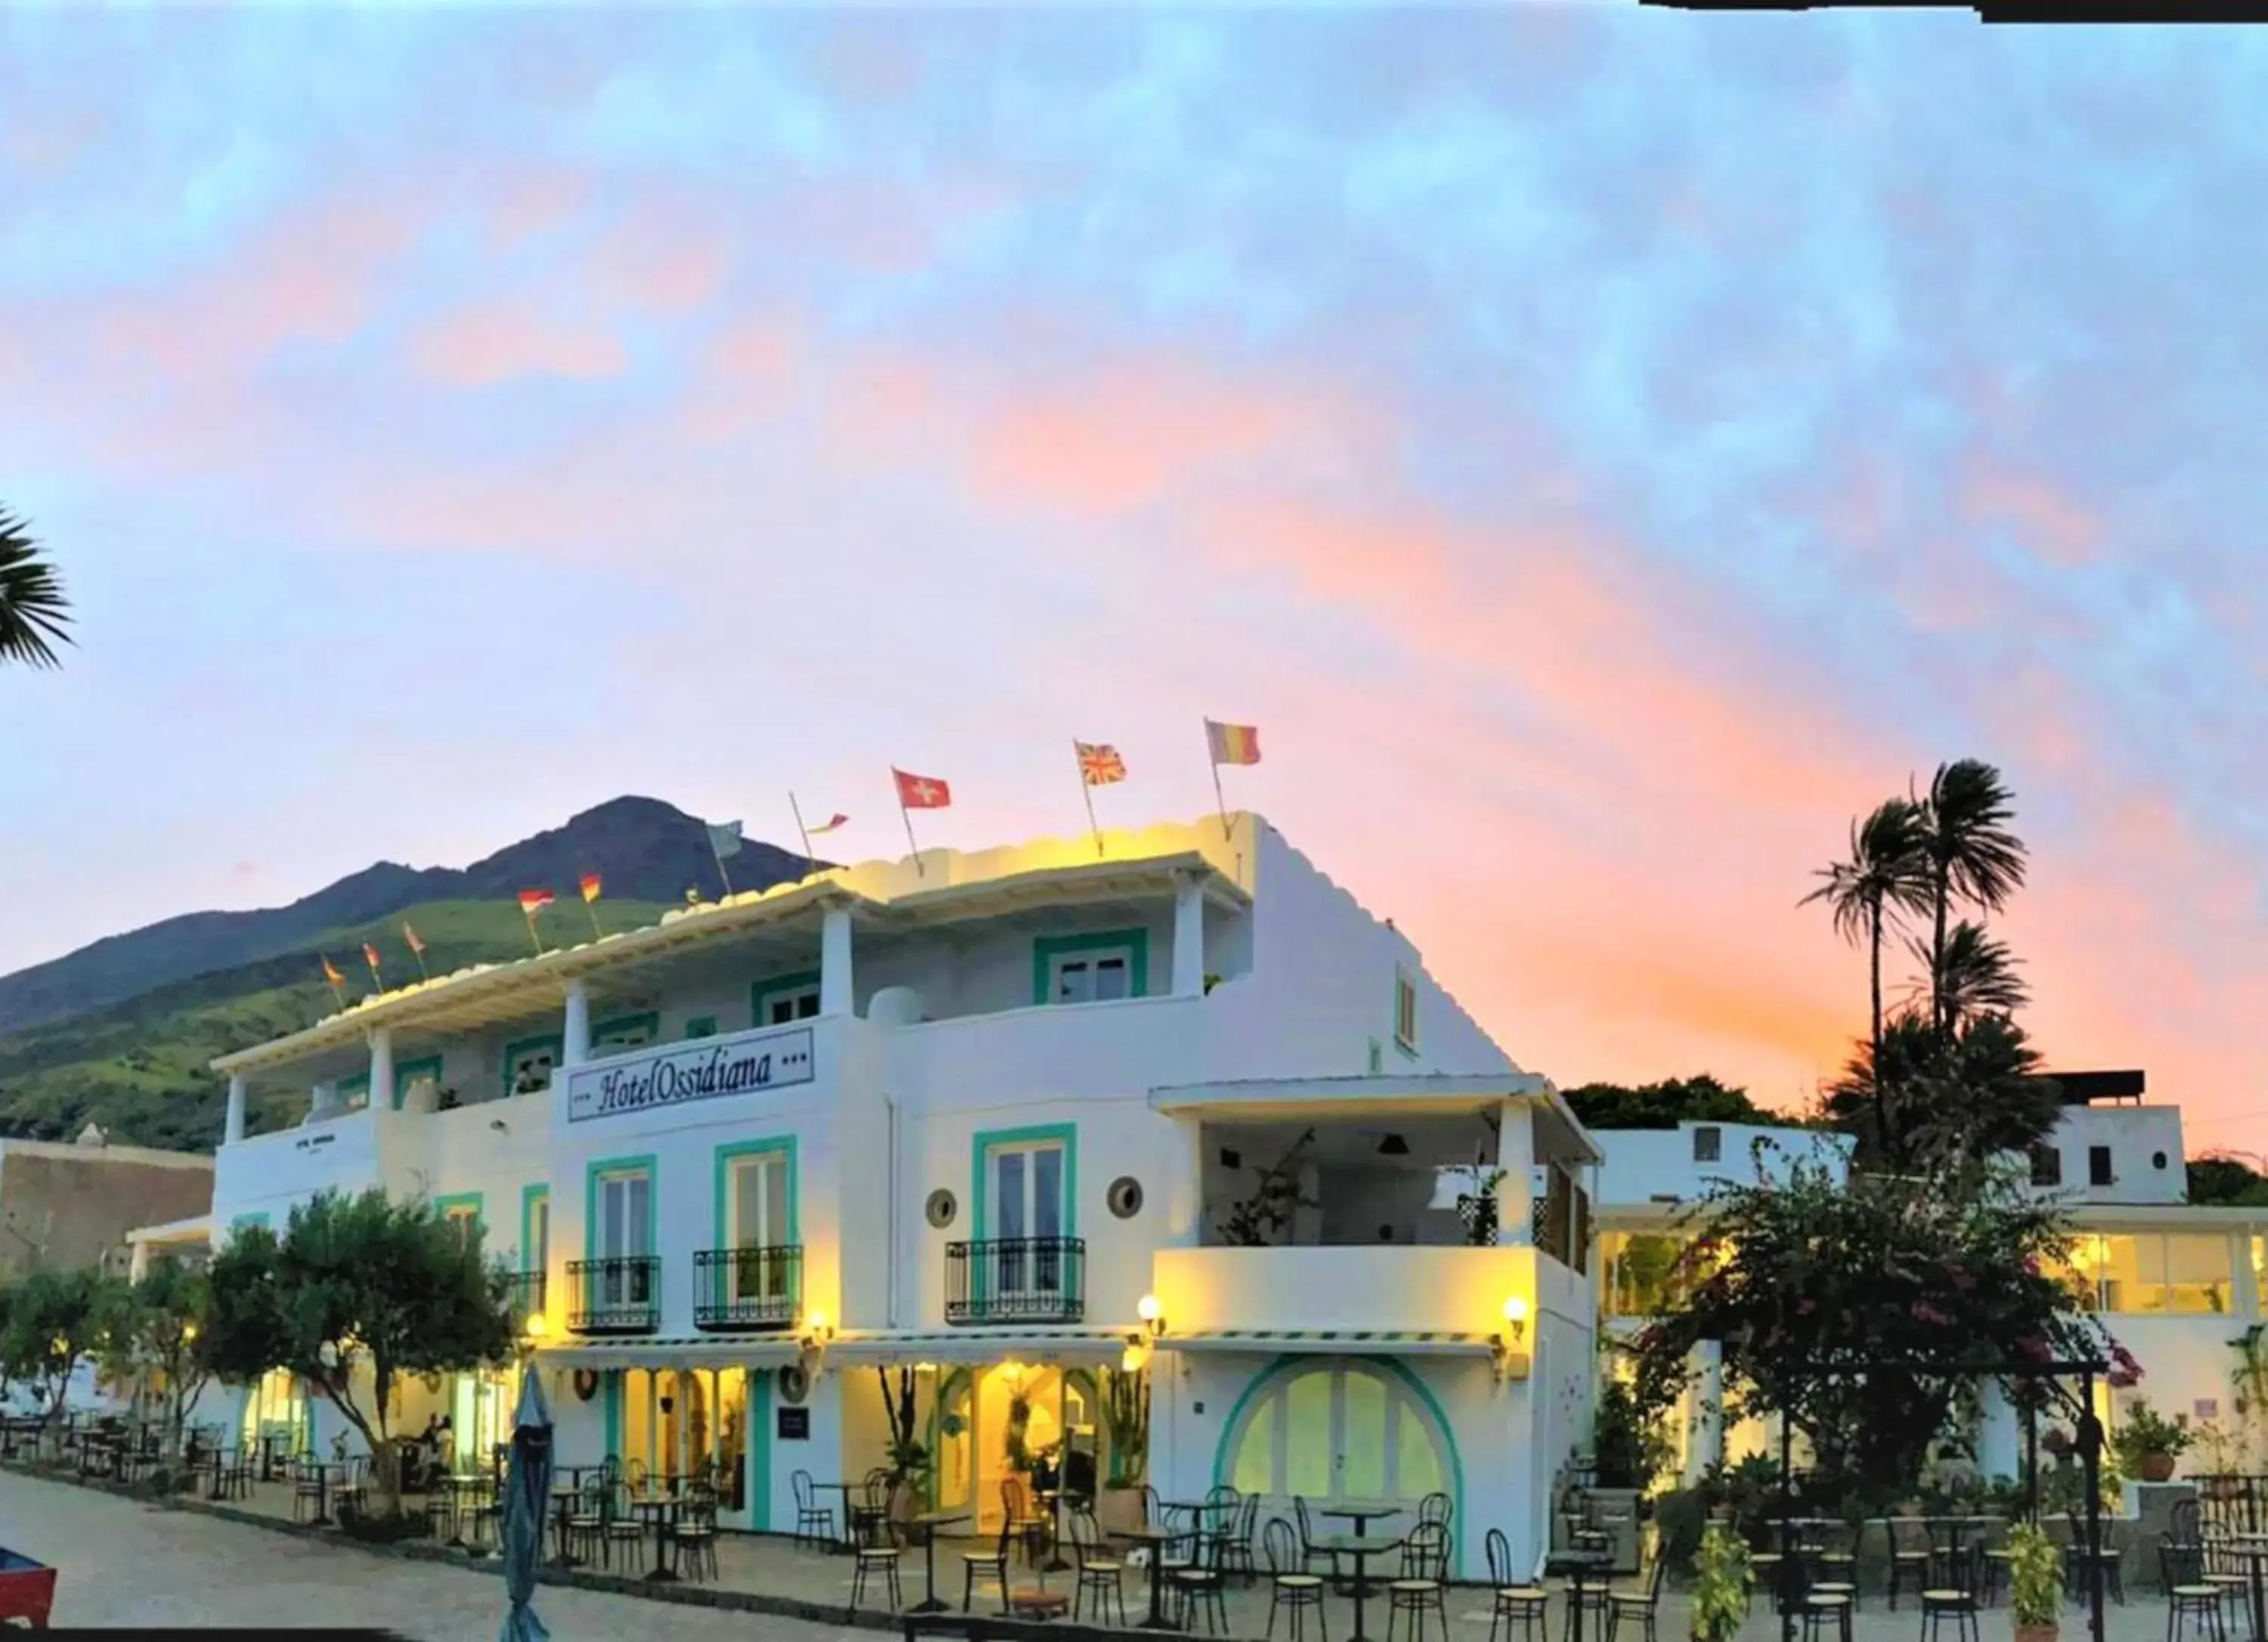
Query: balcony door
624	1232
1337	1429
1028	1218
757	1227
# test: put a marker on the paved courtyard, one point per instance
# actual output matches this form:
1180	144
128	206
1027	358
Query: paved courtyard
121	1563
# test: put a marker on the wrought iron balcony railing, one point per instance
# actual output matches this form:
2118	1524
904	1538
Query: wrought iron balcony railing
750	1289
1016	1279
617	1296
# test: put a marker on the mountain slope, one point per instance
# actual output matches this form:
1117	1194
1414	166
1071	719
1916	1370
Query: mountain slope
644	849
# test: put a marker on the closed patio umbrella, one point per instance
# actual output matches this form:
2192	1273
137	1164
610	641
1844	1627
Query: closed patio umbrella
527	1492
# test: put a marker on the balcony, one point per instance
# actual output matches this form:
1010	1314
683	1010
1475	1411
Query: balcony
1016	1279
748	1290
1392	1287
527	1292
617	1296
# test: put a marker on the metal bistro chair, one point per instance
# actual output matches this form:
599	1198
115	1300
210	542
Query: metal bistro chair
1024	1525
987	1565
1293	1589
1520	1610
2181	1569
1311	1553
1644	1604
1100	1575
1233	1554
621	1526
307	1490
876	1558
1955	1600
697	1537
586	1518
870	1513
814	1523
1909	1557
1422	1586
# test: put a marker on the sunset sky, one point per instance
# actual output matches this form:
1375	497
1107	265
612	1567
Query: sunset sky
1602	451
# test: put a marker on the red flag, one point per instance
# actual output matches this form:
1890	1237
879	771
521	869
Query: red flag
533	901
330	971
590	886
921	793
370	957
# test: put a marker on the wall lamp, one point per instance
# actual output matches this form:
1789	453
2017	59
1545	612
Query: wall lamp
1511	1362
1151	1313
818	1333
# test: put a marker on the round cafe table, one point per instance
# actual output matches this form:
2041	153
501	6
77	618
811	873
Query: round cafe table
1157	1538
661	1510
1362	1513
1571	1565
1359	1546
928	1522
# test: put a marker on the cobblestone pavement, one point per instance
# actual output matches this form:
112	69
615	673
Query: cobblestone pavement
121	1563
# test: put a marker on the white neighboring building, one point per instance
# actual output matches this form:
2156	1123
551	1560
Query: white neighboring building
2173	1282
988	1116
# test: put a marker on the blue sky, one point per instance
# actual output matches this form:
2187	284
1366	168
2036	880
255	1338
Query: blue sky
1601	449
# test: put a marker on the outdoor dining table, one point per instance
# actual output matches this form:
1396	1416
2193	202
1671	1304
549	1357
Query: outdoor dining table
1570	1565
848	1543
661	1510
1362	1513
2253	1548
567	1486
1361	1546
929	1522
1157	1536
322	1469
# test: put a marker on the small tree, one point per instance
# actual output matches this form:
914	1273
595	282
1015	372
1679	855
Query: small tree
154	1336
396	1287
55	1320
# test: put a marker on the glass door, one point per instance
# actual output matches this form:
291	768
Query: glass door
625	1204
1027	1218
757	1215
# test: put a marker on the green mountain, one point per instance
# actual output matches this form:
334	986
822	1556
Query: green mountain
153	1007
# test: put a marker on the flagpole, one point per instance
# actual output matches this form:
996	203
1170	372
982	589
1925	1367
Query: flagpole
424	974
723	877
528	912
912	849
1086	795
810	861
1226	831
591	906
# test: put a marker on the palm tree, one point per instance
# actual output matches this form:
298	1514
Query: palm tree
1971	851
1974	976
34	615
1883	875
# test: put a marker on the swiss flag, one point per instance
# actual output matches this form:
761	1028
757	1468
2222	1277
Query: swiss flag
921	793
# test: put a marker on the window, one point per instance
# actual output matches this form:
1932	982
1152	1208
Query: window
630	1032
535	1231
409	1074
463	1213
2180	1273
701	1027
1099	967
2047	1165
785	999
1338	1431
757	1214
354	1092
1025	1187
1708	1143
1405	1010
528	1065
623	1230
1646	1272
2098	1166
1091	978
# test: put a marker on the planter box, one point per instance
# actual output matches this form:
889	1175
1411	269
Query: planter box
1117	1509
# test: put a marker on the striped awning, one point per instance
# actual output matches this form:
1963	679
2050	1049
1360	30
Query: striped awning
1344	1341
689	1351
979	1346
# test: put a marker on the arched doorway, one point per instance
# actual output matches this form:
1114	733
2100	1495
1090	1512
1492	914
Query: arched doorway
1338	1428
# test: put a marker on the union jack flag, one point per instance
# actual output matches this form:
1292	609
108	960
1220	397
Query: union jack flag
1099	765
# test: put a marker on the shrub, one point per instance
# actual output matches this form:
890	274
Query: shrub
2035	1577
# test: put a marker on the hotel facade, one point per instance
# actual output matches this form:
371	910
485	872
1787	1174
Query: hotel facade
1019	1121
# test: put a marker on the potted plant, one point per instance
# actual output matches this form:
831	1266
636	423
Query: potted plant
908	1458
1722	1576
2035	1583
2146	1444
1126	1420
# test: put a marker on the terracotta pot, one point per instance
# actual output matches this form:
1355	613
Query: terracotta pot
2035	1633
2157	1468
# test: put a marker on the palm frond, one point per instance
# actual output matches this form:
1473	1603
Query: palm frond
1972	842
1885	872
34	613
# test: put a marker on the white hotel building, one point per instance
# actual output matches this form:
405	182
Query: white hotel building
968	1113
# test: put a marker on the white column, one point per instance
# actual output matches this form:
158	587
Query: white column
575	1033
234	1132
1515	1155
835	989
381	1070
138	1267
2001	1444
1705	1444
1189	937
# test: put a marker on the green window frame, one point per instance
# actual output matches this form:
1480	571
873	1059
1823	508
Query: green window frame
1405	1009
452	1204
410	1071
987	1140
554	1042
731	1152
349	1088
600	1169
649	1021
761	992
1047	949
701	1027
529	1197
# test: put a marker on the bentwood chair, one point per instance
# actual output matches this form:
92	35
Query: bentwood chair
2181	1569
1293	1589
1519	1610
1642	1605
814	1523
697	1535
1101	1575
990	1566
1422	1588
1955	1600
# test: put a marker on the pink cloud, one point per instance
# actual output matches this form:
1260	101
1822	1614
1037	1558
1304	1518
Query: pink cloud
2054	525
486	346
